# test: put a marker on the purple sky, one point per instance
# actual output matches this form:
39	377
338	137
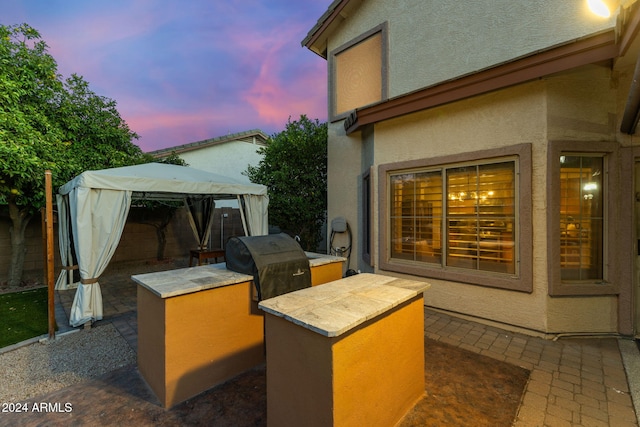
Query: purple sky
186	70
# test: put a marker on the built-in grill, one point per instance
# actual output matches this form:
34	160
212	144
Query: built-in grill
276	261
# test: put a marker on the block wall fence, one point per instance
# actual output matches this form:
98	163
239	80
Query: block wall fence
138	243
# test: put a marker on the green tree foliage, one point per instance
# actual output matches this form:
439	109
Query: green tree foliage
294	168
30	141
49	123
99	137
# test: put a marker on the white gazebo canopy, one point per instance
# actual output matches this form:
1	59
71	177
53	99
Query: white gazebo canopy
95	205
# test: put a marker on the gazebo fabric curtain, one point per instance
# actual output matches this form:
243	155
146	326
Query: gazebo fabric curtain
65	278
253	210
100	218
99	203
200	210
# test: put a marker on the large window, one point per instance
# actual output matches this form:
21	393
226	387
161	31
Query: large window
464	218
358	72
459	216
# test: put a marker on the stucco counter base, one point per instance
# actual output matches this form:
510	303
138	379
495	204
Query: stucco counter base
197	327
348	353
200	326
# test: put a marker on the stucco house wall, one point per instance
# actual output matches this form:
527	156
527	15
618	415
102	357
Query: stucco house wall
434	41
227	155
229	159
429	43
531	113
488	121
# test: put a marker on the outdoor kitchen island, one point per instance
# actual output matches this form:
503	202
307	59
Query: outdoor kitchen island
200	326
347	353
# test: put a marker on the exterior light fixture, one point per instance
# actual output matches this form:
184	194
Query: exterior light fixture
602	8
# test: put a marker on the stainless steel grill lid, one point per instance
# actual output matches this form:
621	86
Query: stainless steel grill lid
276	261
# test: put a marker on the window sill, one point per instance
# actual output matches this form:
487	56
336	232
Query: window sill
521	283
582	289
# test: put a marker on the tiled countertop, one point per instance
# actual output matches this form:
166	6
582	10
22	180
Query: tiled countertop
316	259
182	281
336	307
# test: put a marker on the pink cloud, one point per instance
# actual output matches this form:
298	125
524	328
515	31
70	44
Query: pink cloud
275	100
278	93
187	71
167	129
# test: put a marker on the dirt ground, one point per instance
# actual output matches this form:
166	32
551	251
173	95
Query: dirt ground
462	389
466	389
24	286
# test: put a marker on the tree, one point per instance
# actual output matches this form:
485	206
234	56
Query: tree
48	123
294	168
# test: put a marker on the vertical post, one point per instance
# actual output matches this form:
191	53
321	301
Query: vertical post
50	267
43	233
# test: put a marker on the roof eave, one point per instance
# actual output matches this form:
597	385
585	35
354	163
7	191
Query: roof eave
208	143
590	50
316	39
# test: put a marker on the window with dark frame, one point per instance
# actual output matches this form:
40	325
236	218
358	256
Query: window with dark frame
583	260
581	218
503	240
457	216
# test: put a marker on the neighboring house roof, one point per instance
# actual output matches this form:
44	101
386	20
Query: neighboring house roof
610	45
255	136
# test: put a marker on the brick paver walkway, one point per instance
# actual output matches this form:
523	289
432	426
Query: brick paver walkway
573	382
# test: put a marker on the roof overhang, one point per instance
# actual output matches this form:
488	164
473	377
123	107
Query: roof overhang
594	49
615	45
338	11
629	48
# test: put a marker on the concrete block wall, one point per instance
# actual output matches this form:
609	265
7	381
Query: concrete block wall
34	255
139	241
225	226
137	244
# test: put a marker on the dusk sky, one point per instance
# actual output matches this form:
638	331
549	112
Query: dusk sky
187	70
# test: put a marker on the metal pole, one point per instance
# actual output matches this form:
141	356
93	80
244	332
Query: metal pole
50	267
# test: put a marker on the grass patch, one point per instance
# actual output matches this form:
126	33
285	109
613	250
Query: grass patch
23	315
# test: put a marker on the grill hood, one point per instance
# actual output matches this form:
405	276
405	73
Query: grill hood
276	261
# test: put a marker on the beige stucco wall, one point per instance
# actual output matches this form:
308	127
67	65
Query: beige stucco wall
489	121
229	159
343	178
454	38
582	105
569	106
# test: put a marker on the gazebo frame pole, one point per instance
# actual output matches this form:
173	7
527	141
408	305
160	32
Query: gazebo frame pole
49	262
